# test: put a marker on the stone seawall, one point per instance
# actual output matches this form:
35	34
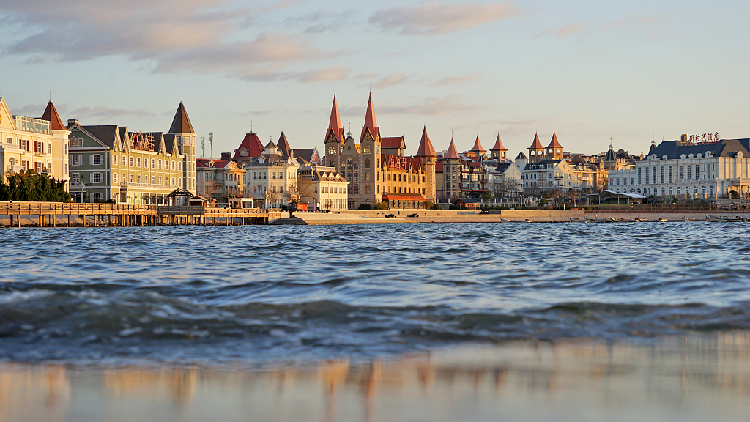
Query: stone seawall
513	216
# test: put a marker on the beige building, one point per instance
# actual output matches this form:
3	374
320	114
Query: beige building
376	167
39	144
219	179
271	179
322	188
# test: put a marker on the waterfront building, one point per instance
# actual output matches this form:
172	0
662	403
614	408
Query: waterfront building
219	179
376	167
548	171
714	169
271	179
451	168
39	144
109	163
322	188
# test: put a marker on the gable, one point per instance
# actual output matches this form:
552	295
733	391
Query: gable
6	118
87	140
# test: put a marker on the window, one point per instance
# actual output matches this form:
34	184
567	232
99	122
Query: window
697	172
114	177
367	163
179	166
173	181
153	163
75	179
96	159
76	142
138	161
131	178
96	177
670	175
158	165
689	172
153	180
160	179
49	148
124	178
681	175
173	166
76	160
661	173
639	175
114	160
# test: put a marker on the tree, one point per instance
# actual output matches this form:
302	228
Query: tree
271	198
28	185
382	205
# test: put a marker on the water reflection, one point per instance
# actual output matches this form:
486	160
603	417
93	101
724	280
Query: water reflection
693	378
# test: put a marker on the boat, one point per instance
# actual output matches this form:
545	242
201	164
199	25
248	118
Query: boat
735	219
713	219
662	220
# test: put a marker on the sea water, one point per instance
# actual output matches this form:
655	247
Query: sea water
402	321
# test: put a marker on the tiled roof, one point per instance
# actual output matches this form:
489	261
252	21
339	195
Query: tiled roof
536	144
477	146
253	146
283	146
554	143
521	156
181	121
723	148
498	145
50	115
393	142
206	163
335	124
370	123
439	167
425	146
104	133
452	153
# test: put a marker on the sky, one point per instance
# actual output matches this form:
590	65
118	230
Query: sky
625	72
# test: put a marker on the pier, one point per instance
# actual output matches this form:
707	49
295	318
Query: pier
54	214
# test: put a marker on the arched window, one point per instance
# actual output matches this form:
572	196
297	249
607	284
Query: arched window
367	163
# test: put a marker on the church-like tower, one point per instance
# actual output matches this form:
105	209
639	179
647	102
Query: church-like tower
426	155
183	131
554	149
536	150
334	139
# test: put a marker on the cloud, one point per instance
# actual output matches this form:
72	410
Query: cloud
455	79
633	20
391	80
442	106
571	29
320	21
197	36
438	17
104	111
327	74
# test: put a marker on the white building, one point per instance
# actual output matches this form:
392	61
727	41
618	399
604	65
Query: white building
322	188
549	175
711	170
39	144
271	179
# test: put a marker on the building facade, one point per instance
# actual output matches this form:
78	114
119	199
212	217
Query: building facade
39	144
219	179
271	179
376	167
683	169
322	188
109	163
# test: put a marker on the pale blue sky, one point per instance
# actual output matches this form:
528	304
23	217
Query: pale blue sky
589	70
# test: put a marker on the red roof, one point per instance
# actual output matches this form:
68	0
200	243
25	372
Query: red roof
425	146
253	146
392	142
498	145
335	123
554	143
50	115
205	162
370	123
536	144
452	153
477	146
439	167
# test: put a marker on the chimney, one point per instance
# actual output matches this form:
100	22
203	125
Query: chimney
72	122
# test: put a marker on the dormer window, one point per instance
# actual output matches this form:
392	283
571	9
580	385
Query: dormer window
243	152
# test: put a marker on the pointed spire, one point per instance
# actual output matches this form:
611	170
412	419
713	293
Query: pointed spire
335	123
283	145
536	144
370	123
477	146
425	146
181	121
498	145
452	153
554	143
50	115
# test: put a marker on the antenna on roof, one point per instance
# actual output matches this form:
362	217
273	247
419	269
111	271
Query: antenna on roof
203	147
251	125
50	95
211	142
